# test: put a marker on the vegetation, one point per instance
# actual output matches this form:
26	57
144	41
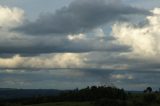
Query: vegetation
91	96
64	104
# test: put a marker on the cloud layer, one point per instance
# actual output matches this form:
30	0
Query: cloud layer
79	16
142	38
77	44
12	43
144	41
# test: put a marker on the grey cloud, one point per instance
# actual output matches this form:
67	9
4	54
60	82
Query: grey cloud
54	76
140	80
34	46
143	65
34	79
79	16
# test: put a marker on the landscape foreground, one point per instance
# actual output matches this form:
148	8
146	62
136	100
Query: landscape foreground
89	96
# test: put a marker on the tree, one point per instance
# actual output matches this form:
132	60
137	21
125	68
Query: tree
148	90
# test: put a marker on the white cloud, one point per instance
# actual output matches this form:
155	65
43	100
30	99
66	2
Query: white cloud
11	62
76	37
64	60
122	76
144	40
10	17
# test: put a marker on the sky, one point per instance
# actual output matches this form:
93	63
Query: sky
68	44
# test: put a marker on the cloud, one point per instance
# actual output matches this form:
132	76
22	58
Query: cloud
65	60
144	39
10	17
131	50
15	43
122	76
11	63
135	80
72	78
78	17
12	43
57	79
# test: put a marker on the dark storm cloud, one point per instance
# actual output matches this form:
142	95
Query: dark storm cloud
140	80
40	45
53	75
79	16
142	65
89	76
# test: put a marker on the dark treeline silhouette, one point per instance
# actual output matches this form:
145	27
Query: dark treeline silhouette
97	95
94	93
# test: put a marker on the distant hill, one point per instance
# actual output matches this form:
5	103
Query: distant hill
12	93
9	93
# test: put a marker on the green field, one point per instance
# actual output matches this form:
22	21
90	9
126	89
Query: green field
64	104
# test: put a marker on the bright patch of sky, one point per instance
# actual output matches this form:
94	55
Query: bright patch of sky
34	7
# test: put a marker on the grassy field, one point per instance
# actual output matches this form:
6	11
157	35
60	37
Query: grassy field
64	104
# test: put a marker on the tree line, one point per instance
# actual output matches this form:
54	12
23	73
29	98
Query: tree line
97	95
